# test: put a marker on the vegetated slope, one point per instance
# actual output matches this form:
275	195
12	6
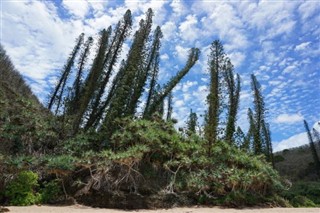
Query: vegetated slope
12	79
23	120
297	163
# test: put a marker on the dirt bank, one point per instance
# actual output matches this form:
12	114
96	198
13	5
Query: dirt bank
83	209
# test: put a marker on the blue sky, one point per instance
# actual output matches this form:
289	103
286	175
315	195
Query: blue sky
278	41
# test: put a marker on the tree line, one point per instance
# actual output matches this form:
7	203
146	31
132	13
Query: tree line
95	100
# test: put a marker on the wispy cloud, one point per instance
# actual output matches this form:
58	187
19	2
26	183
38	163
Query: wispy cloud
293	141
288	119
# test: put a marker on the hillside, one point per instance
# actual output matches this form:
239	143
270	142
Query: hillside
296	163
11	79
23	120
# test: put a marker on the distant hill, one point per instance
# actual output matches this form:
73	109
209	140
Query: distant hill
296	163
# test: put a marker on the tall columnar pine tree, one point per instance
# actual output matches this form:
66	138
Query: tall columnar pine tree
239	137
90	84
169	107
259	134
120	103
266	137
233	90
56	96
152	86
248	140
145	72
192	123
216	62
258	116
122	31
315	156
316	136
76	90
168	87
160	107
115	84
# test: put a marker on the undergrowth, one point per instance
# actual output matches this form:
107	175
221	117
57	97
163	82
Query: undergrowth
150	158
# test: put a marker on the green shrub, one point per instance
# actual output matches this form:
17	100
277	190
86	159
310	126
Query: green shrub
307	189
235	178
51	192
61	162
21	190
302	201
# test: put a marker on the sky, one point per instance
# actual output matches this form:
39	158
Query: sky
278	41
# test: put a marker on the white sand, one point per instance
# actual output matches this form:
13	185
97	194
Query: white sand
83	209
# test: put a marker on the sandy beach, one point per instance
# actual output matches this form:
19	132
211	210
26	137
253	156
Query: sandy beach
83	209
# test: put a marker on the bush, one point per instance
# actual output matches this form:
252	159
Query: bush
302	201
51	192
303	194
21	190
234	177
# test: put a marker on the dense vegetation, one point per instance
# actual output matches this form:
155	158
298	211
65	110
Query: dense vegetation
297	165
91	144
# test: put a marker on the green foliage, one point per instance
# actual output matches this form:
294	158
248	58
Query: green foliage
192	123
51	191
234	174
56	97
236	178
216	61
303	194
297	164
21	190
61	162
82	142
302	201
25	127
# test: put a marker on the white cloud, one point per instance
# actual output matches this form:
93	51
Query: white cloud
222	19
141	7
186	85
169	30
293	141
78	8
164	56
308	9
40	41
182	53
302	46
237	58
98	7
289	69
178	103
289	119
188	28
178	7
